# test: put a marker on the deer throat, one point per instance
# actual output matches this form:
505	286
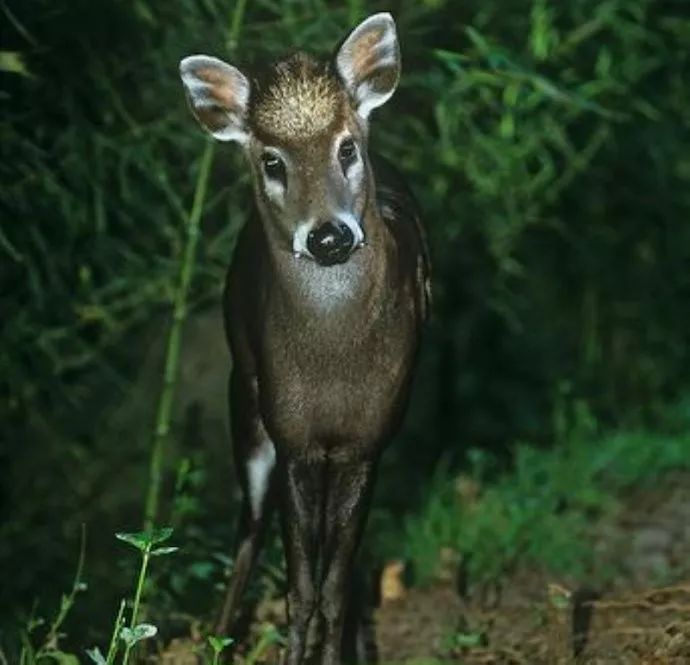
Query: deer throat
330	289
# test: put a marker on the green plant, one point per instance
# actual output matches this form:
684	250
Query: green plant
541	510
218	644
50	650
174	340
269	637
147	543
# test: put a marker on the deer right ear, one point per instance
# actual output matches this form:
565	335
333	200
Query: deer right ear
218	95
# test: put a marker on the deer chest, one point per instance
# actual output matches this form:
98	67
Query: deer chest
339	387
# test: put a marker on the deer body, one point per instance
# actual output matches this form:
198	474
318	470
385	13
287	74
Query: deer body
329	375
323	305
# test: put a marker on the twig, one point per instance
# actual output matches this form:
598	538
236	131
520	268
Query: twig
67	601
641	605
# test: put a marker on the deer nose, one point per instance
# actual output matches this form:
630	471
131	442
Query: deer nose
331	243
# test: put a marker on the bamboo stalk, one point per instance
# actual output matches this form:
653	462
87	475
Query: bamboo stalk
235	25
172	356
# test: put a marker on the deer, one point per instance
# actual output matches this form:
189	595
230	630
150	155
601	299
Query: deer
324	305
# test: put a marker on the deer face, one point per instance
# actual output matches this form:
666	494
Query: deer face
303	125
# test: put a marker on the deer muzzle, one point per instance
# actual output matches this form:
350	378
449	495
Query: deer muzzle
331	243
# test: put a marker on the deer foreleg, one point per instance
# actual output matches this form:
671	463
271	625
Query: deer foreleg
348	497
303	500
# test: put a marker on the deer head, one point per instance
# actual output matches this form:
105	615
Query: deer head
303	125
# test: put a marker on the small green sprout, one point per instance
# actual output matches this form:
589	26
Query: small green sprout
130	636
219	643
269	637
96	656
145	542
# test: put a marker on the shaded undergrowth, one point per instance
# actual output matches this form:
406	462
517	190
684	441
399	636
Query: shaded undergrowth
542	511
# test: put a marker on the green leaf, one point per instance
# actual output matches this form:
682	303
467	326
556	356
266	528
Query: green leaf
63	658
468	640
202	570
144	539
140	540
160	535
96	656
142	10
219	643
12	62
162	551
130	636
127	636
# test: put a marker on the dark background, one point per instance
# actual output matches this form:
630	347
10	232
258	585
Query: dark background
548	144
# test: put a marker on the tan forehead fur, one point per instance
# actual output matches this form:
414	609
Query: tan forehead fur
298	99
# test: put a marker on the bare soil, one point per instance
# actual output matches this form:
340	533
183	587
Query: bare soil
532	618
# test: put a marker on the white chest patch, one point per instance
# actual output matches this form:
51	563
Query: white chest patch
328	288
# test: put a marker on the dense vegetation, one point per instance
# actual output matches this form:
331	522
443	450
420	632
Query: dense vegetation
549	145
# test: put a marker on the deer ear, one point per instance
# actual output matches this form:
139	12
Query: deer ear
218	95
369	62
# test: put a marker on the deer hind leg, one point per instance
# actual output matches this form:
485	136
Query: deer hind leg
255	461
257	506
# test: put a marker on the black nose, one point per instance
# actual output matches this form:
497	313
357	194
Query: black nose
330	243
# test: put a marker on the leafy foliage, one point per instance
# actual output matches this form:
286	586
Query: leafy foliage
541	510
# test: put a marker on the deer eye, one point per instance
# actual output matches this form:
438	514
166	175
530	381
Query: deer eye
347	153
274	167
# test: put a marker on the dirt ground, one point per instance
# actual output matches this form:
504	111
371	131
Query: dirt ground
641	616
534	619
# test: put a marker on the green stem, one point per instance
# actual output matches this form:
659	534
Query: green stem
19	27
267	639
137	598
140	584
355	11
76	587
66	603
180	310
235	25
112	647
174	338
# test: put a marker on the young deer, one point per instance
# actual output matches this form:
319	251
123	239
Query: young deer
323	307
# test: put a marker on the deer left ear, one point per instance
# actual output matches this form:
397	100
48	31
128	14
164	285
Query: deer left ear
369	62
218	95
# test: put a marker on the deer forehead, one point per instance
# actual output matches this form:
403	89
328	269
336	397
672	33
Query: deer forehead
298	100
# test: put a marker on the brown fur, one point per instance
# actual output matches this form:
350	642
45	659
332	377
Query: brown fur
296	99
